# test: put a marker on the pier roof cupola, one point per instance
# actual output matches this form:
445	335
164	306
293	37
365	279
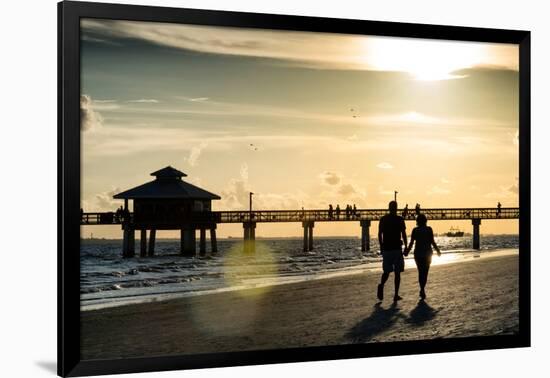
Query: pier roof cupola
168	173
168	184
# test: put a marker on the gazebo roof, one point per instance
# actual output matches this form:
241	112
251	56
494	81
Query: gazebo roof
167	185
168	172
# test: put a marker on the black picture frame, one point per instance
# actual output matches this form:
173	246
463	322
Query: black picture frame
69	14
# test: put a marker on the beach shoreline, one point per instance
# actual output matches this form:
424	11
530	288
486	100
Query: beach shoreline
449	257
471	298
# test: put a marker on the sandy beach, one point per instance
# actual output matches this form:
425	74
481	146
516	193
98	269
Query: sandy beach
470	298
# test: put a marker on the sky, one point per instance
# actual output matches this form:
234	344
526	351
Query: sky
301	119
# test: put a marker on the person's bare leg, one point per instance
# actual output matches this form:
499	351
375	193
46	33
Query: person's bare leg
397	281
423	279
380	291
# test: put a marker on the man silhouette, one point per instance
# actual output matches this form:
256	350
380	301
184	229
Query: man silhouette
391	236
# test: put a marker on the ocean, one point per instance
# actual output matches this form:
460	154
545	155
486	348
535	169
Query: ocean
106	279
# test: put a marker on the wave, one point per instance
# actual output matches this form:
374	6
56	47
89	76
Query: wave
106	278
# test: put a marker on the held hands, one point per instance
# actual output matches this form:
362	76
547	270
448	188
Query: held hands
406	252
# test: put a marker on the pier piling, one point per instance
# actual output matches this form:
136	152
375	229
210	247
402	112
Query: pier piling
143	243
308	235
182	241
189	242
213	240
365	235
202	242
125	237
249	245
128	242
152	237
476	222
310	241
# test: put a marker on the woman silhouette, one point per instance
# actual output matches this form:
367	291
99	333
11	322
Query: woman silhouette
423	235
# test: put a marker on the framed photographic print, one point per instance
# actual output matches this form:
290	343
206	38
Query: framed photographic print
240	188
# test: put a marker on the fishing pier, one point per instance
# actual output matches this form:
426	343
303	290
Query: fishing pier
169	203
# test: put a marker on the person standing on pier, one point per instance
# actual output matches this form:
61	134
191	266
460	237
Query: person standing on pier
330	211
405	211
118	214
338	212
391	236
499	209
423	235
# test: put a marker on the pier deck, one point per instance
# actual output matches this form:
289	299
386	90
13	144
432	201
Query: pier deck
274	216
209	220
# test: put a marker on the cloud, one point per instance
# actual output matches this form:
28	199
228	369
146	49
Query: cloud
89	118
105	105
279	201
314	50
103	101
514	188
445	180
385	192
330	178
384	165
339	188
145	101
507	193
236	194
347	189
244	172
437	190
99	40
199	99
195	153
102	201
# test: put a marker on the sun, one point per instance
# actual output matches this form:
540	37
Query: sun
426	60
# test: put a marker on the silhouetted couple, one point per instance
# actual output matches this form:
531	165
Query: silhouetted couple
392	236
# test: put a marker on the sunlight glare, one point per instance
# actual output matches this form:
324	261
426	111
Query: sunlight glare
425	60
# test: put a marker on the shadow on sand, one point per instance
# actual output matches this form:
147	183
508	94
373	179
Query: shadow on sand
377	322
382	319
421	314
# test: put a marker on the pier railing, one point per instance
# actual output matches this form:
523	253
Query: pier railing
105	218
207	221
274	216
264	216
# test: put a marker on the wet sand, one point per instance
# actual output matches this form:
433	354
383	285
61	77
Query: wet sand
470	298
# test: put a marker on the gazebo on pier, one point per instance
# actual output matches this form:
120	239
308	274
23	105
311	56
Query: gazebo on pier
168	203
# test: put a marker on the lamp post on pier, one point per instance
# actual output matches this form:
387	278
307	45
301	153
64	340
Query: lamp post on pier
250	204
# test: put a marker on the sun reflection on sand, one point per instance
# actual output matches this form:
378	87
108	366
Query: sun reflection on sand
238	268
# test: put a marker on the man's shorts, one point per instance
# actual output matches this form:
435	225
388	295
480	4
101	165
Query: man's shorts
393	261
